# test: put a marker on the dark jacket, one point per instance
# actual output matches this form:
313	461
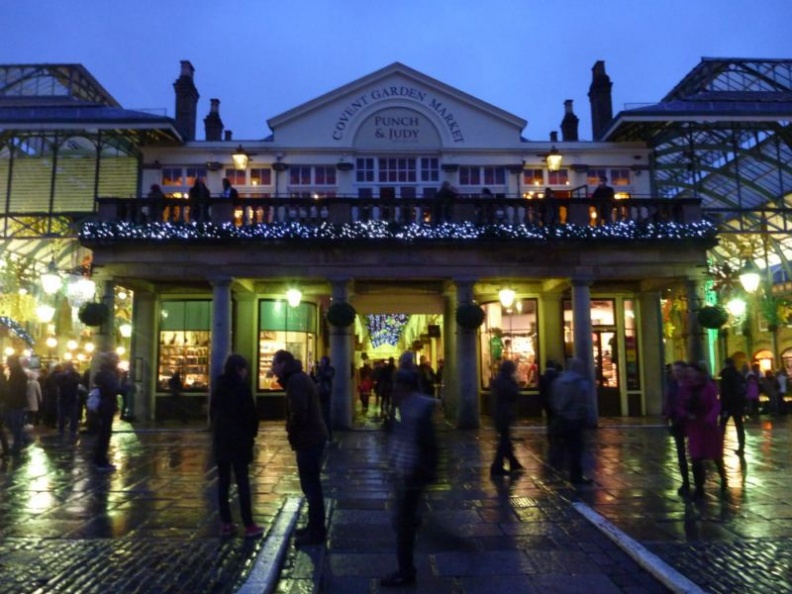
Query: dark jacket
68	382
304	424
505	391
234	421
106	380
16	397
732	391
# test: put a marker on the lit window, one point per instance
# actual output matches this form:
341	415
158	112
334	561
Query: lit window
533	177
171	176
558	178
620	177
261	177
236	177
193	173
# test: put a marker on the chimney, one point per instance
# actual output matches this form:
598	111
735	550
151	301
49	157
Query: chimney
554	136
186	101
569	125
600	98
212	123
228	135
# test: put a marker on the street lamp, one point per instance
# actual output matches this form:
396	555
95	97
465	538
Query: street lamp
749	277
554	159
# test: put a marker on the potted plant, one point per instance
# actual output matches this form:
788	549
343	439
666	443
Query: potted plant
470	316
93	314
341	314
712	316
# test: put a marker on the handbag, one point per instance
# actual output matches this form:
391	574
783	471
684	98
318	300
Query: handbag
94	398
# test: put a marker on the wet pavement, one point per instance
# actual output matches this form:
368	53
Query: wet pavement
151	526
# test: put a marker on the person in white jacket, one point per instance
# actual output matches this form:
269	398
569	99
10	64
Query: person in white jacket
34	399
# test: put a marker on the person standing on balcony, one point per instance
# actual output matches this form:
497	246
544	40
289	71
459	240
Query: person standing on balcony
604	194
229	191
444	200
199	200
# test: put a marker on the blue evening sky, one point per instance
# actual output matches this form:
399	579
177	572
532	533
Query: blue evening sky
261	58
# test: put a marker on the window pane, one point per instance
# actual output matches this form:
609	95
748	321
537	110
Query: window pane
631	346
171	176
236	177
533	177
593	176
558	178
194	173
261	177
620	177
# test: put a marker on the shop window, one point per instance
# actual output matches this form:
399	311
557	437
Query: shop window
284	327
261	177
558	178
632	371
430	169
364	170
533	177
184	344
604	338
236	177
511	333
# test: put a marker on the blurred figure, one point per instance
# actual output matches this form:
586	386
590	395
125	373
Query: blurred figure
106	380
752	388
699	404
68	382
307	436
3	407
34	399
413	461
769	386
16	402
426	376
545	387
504	391
234	426
676	421
324	382
570	401
385	390
732	394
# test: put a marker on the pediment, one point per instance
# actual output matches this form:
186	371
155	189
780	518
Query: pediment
397	107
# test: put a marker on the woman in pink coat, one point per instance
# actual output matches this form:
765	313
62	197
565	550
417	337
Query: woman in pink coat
699	405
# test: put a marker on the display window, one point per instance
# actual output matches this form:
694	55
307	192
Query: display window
631	368
511	333
604	338
185	340
283	327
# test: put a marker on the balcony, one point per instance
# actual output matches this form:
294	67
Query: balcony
350	217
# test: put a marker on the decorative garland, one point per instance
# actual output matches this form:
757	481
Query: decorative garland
93	314
17	329
341	314
378	230
386	328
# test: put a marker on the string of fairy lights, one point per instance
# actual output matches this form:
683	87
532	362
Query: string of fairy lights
378	230
386	328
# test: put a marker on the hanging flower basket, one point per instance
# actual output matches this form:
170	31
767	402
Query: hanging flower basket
713	316
341	314
469	316
93	314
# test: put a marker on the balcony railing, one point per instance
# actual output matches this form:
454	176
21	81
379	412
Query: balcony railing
243	212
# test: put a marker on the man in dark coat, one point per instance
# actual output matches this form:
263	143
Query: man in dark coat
504	390
234	424
106	380
307	435
68	382
733	400
16	402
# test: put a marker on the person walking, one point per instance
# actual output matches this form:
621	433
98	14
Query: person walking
234	426
545	390
307	435
504	391
106	380
699	404
570	401
68	382
385	390
325	373
413	462
34	400
676	421
6	450
733	401
16	402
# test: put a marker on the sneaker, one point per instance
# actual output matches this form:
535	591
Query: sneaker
253	531
308	539
397	579
227	529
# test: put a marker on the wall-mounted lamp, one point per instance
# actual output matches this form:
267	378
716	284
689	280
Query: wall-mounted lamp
293	297
241	158
554	159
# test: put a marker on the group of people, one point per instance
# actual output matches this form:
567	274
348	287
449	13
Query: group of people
58	398
198	200
234	426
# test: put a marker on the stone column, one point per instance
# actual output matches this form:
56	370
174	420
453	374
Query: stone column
695	337
651	343
551	337
450	379
466	366
581	327
221	327
245	324
143	359
341	357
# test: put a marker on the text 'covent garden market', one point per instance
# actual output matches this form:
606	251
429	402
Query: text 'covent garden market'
396	213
